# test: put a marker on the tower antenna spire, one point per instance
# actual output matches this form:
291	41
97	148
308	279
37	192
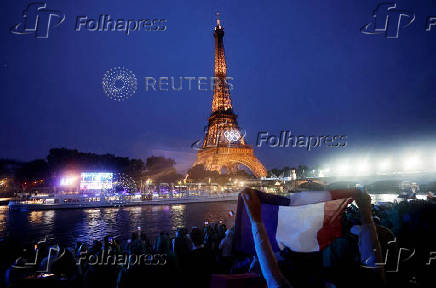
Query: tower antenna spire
218	18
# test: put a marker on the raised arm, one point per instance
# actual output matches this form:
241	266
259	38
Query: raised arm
369	245
268	262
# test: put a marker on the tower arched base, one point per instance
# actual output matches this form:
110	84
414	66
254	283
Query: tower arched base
216	158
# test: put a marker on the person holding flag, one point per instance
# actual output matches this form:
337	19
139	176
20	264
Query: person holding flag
304	222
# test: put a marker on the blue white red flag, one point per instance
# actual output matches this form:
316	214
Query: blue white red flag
304	222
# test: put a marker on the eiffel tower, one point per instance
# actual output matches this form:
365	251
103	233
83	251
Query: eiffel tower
224	145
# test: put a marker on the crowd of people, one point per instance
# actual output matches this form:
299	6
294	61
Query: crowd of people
204	257
187	259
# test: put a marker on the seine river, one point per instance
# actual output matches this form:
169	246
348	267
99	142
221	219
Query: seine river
71	225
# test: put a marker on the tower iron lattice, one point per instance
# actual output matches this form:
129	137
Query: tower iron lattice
224	144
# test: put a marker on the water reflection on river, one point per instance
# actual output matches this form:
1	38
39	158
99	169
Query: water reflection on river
68	226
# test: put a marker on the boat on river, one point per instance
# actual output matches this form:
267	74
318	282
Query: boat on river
72	201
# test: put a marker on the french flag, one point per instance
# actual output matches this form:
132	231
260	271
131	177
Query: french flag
304	222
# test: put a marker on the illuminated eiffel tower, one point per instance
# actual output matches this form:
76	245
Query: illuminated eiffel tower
224	146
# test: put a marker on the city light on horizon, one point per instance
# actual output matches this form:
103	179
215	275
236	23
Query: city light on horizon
68	180
372	165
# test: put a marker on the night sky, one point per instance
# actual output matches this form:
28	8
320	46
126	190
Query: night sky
302	66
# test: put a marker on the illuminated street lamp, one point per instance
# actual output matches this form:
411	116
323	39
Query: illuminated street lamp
411	163
434	161
363	168
324	172
384	166
342	169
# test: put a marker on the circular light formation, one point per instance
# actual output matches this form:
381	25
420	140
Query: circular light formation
232	135
119	83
